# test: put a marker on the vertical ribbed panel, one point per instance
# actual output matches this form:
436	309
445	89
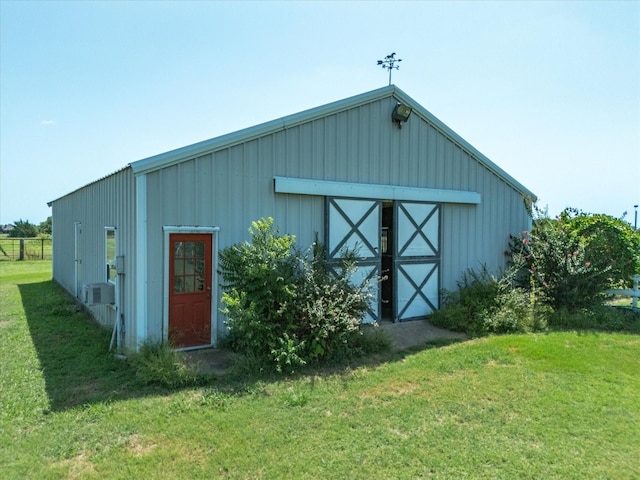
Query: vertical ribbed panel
105	203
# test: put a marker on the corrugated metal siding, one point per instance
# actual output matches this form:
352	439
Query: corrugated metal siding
233	186
109	202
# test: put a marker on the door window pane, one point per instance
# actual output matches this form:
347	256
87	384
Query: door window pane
188	284
177	284
188	267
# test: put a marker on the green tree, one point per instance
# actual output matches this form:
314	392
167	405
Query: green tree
23	229
260	283
285	308
45	227
571	260
609	242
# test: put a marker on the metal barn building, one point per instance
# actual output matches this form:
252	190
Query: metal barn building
377	170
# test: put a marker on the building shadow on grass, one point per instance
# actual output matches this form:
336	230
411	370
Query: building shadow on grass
73	351
79	369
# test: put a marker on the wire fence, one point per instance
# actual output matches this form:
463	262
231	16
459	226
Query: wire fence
25	248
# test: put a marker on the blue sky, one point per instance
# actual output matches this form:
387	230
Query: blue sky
549	91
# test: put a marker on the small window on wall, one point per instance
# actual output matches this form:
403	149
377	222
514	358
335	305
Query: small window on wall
110	253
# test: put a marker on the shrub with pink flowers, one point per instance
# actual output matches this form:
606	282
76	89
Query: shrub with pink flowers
573	259
609	242
557	277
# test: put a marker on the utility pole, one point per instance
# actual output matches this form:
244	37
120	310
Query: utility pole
389	63
635	221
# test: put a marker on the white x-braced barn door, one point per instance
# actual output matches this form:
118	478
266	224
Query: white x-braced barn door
355	224
416	259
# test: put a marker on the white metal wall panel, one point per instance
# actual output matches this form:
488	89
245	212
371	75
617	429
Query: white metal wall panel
107	202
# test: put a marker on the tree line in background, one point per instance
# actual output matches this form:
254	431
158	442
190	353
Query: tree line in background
25	229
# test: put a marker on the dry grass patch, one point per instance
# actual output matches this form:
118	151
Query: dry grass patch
78	466
138	447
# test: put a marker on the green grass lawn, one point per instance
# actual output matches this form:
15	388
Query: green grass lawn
557	405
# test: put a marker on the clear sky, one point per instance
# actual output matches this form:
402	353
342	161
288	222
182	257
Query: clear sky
549	91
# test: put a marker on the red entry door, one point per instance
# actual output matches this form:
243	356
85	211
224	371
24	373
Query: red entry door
190	268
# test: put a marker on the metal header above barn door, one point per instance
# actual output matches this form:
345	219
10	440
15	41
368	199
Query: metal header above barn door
325	188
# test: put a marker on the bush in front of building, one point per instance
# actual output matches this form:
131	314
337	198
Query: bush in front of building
574	258
160	364
487	304
259	285
558	275
286	308
551	262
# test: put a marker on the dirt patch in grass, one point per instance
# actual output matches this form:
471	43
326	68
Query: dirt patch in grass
78	466
138	447
414	335
209	360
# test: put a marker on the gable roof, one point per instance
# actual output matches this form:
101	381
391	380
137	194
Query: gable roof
228	140
225	141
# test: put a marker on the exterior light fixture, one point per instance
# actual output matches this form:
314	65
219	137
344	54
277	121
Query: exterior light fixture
401	114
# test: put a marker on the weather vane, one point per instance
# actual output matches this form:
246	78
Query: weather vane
389	63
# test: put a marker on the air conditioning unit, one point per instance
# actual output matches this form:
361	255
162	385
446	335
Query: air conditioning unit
99	293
